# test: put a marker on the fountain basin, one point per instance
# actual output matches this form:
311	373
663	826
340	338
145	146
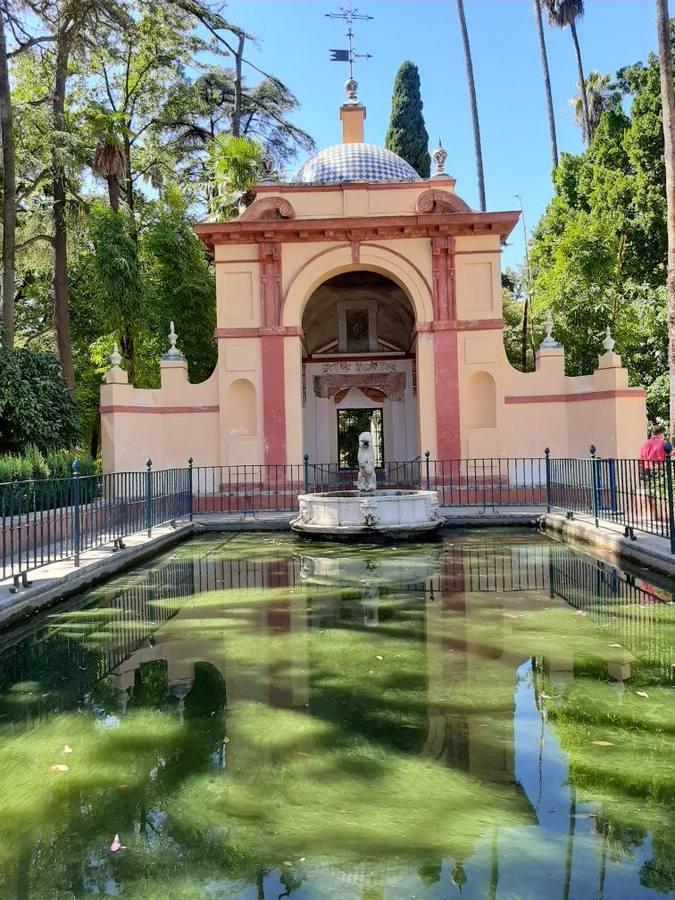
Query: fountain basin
352	515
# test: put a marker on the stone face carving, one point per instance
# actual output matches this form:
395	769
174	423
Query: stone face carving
306	513
366	482
369	512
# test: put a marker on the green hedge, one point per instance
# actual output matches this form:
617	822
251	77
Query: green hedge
37	481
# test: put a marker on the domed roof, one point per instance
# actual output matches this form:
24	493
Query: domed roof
354	162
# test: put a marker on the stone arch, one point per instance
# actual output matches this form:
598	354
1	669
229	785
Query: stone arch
482	401
372	257
241	407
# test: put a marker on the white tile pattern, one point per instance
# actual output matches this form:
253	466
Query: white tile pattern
354	162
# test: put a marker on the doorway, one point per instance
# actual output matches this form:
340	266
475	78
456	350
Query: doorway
350	424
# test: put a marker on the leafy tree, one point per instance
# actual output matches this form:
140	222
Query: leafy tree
36	406
234	165
407	134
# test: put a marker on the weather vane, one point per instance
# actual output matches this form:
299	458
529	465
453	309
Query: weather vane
349	15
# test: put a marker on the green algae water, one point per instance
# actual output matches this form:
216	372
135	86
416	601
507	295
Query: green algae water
254	717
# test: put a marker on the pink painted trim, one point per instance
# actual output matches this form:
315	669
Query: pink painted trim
575	398
461	325
317	360
446	357
158	410
274	398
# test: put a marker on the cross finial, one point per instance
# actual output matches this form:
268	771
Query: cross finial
349	15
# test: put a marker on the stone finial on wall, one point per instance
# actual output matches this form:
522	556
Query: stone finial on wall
609	359
439	157
173	352
116	374
549	342
609	343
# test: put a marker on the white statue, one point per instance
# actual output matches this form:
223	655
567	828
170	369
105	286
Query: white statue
366	482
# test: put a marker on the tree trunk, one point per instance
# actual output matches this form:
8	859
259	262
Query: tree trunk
8	194
129	187
114	192
582	84
60	281
547	83
474	105
668	113
236	112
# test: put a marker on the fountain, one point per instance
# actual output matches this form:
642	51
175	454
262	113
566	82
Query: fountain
366	513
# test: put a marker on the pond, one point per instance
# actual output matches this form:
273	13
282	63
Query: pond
250	716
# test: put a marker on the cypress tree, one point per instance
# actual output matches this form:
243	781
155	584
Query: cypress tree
407	135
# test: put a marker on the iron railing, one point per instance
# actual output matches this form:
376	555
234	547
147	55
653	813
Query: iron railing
46	520
634	494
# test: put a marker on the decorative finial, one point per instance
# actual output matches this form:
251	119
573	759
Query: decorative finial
609	343
352	86
115	359
439	157
173	352
268	166
549	342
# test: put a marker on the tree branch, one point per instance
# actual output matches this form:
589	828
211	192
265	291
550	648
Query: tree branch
33	239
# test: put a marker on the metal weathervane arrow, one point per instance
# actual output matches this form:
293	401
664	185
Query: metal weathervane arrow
349	15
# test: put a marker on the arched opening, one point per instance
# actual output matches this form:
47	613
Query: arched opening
359	370
482	401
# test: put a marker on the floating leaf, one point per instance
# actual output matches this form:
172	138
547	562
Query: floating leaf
642	693
117	844
379	657
59	767
603	743
508	615
581	612
550	696
620	646
66	749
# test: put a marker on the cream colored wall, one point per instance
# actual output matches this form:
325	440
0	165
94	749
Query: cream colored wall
168	438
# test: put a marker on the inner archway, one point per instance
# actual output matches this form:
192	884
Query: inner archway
359	370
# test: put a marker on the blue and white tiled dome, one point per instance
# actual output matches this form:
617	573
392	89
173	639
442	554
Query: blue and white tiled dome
354	162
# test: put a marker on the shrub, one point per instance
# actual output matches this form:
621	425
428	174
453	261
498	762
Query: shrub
36	407
51	473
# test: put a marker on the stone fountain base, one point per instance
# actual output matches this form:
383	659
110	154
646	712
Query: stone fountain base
353	515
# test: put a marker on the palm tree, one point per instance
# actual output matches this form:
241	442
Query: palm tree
601	95
234	165
566	12
110	163
474	105
668	115
547	82
110	160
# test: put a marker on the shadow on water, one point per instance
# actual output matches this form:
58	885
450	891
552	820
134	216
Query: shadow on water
256	717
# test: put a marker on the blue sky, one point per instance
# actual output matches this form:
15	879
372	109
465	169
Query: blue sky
295	38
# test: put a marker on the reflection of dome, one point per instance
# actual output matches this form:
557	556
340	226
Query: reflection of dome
354	162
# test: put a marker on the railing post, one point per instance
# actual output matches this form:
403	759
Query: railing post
594	482
547	454
190	486
427	454
148	496
306	468
76	510
668	447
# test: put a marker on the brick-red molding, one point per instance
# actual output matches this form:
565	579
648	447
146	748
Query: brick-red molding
461	325
284	331
575	398
159	410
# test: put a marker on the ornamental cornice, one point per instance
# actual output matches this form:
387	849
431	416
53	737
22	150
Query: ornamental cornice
351	230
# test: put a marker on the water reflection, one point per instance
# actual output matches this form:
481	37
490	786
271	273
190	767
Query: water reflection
259	718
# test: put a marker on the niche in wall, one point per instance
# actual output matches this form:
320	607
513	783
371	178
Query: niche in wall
481	401
241	407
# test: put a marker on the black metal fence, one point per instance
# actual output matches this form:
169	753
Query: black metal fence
635	494
46	520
